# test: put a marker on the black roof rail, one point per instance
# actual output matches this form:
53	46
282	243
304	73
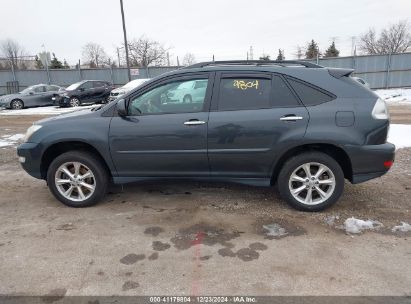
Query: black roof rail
255	62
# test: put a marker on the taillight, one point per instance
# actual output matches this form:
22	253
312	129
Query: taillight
388	164
380	110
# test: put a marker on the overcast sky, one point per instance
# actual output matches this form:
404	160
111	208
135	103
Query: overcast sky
225	28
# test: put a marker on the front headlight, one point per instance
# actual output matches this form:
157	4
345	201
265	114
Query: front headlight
30	131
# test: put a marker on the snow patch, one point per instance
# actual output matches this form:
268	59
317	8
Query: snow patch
404	227
275	230
399	135
53	110
354	226
10	140
395	95
330	220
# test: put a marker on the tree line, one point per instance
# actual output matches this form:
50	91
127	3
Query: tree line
143	51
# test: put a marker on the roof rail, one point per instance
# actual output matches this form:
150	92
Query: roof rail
282	63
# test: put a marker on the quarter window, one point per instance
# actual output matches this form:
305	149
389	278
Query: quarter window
244	93
174	97
309	95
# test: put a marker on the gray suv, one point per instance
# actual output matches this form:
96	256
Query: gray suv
301	126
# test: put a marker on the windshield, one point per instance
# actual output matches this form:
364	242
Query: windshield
73	86
27	90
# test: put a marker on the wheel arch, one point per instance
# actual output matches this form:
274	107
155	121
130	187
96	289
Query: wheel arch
62	147
334	151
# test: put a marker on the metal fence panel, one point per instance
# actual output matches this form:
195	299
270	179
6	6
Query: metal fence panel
380	71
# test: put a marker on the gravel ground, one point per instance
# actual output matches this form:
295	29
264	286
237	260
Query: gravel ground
200	238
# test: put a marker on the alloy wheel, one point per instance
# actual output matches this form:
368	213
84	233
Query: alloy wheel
312	183
75	181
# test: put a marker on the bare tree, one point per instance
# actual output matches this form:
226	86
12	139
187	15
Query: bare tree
189	59
94	54
144	52
394	39
12	50
299	52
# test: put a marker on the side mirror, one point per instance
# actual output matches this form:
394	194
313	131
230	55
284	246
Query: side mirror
121	108
81	89
31	92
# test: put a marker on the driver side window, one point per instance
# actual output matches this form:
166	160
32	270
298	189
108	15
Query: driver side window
175	97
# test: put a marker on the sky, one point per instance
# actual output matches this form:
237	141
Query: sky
223	28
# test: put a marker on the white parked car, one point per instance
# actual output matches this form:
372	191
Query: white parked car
116	93
188	92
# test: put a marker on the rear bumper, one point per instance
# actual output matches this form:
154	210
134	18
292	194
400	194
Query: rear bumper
369	161
30	158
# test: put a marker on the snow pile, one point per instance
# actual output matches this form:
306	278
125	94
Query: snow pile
330	220
404	227
43	110
275	230
399	135
395	95
10	140
353	225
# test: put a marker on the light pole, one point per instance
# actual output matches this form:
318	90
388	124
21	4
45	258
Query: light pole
125	40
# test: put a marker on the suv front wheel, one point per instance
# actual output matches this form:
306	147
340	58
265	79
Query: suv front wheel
311	181
77	179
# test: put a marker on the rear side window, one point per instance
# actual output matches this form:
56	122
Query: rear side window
309	95
244	94
283	97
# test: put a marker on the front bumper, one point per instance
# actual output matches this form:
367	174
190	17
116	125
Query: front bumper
31	154
61	101
369	161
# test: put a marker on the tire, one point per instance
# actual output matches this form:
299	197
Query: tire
17	104
187	99
88	163
74	102
293	177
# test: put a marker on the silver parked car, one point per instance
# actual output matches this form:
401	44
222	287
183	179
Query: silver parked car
33	96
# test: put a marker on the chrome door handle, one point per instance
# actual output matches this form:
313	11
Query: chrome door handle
194	122
291	118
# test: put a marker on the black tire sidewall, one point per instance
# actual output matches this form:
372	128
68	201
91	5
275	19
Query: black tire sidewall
300	159
93	163
14	101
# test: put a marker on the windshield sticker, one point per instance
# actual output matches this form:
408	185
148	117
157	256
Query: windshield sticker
241	84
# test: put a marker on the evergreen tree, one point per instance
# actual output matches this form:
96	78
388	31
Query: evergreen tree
39	64
332	51
265	57
312	50
55	63
280	55
65	64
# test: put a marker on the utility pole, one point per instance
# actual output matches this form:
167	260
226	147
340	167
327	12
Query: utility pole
118	57
168	58
353	44
213	58
251	53
178	62
125	41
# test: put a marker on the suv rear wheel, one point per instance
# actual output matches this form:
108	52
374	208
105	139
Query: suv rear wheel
311	181
77	179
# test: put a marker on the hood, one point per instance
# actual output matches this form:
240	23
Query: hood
10	96
121	90
76	114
